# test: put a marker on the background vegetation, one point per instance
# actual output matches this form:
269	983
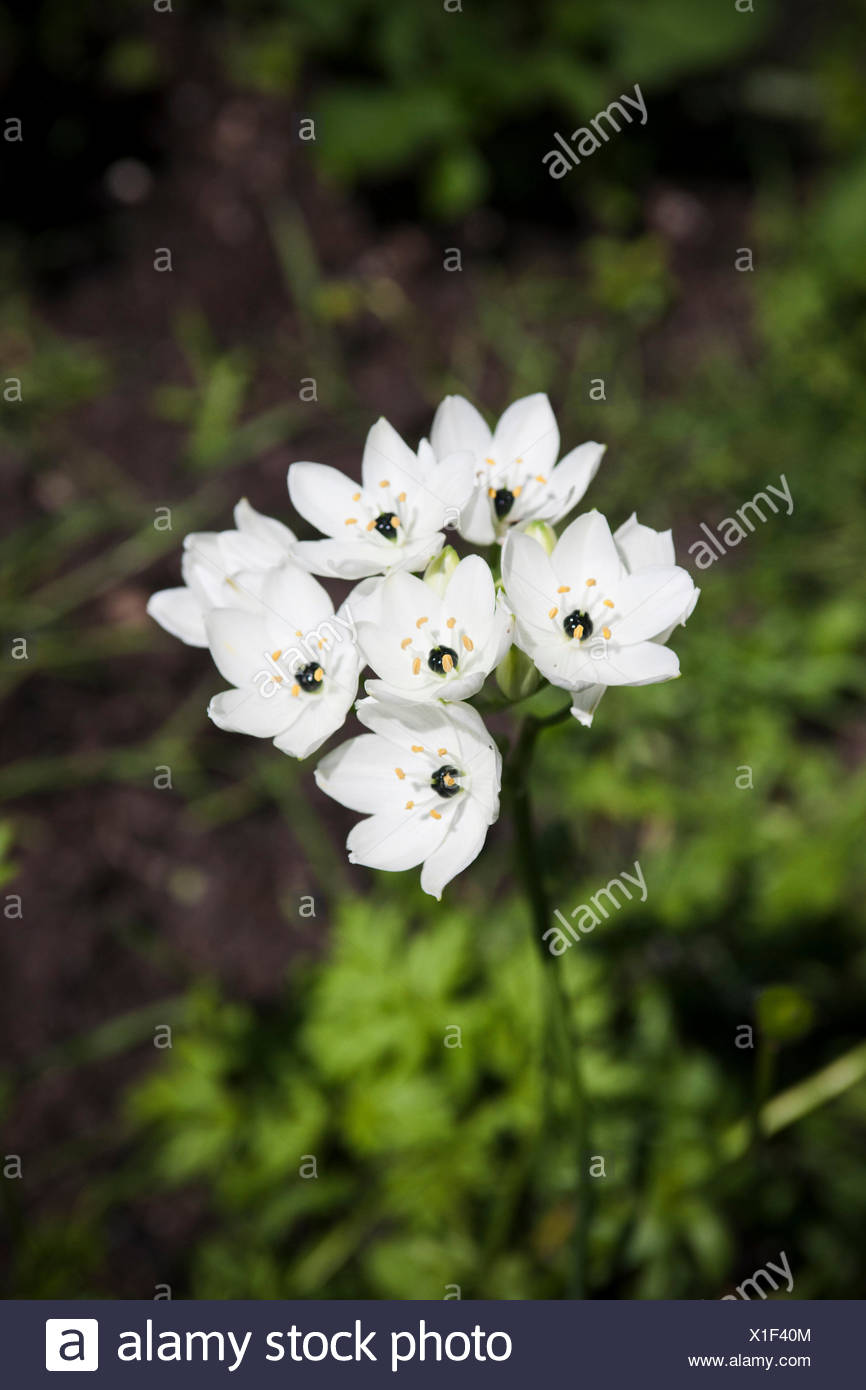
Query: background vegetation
143	906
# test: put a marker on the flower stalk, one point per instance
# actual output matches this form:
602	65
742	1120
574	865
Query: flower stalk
560	1035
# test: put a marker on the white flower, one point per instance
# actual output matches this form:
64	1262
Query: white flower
583	618
293	662
639	547
433	641
517	477
214	566
392	520
427	778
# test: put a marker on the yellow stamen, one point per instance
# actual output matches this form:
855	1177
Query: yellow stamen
371	525
296	690
409	805
421	622
441	752
448	780
608	603
416	666
395	521
539	479
351	521
417	748
275	656
518	460
384	483
589	583
578	632
402	497
564	589
516	491
451	622
407	642
492	462
298	632
468	643
447	662
435	815
318	674
605	632
553	612
491	492
400	773
356	496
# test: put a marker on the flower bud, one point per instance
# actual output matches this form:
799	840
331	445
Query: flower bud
542	532
516	676
441	568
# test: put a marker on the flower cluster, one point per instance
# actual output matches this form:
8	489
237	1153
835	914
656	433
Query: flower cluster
582	611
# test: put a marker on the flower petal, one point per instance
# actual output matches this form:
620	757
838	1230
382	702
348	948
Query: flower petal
238	643
640	546
527	430
180	613
360	774
570	479
586	550
458	425
529	577
324	496
463	843
585	702
395	840
249	711
649	601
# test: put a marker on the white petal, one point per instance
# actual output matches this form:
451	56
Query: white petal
319	717
529	577
461	845
570	479
293	601
527	430
586	550
640	545
249	711
180	613
396	840
458	425
596	662
585	702
649	601
264	528
476	518
360	774
387	458
324	496
402	723
238	643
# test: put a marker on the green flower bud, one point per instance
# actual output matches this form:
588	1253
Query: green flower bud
542	532
441	568
516	676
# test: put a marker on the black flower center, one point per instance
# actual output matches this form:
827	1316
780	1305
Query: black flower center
576	620
444	780
310	677
385	526
442	660
503	501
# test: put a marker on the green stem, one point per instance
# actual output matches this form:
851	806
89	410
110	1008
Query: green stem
560	1016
